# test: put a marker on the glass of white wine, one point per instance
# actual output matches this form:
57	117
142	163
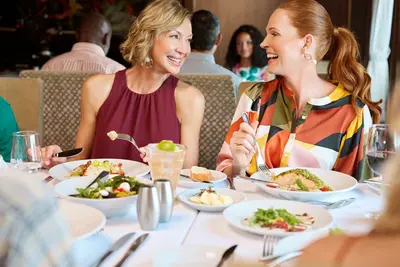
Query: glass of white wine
26	152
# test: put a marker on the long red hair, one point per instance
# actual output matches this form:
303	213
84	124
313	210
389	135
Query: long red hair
310	17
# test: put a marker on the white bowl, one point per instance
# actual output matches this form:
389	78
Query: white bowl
235	215
109	206
235	195
340	183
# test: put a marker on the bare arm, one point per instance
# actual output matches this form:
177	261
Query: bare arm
95	91
190	110
362	252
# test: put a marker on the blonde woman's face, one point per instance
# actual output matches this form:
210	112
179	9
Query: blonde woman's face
170	49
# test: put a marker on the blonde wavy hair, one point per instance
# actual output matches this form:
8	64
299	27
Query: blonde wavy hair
158	17
308	16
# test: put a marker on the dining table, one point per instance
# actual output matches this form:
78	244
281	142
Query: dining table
189	227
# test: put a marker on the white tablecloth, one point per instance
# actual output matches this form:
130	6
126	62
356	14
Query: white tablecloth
189	227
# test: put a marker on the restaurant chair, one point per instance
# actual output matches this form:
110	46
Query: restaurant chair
25	97
62	101
219	110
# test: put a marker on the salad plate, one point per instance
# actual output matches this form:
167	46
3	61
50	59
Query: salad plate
277	217
118	202
220	198
93	167
329	183
83	221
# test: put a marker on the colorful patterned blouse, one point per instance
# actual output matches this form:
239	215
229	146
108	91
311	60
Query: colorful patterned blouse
251	74
329	134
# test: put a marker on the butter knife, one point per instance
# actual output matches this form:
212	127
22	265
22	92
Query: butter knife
133	248
117	245
226	255
68	153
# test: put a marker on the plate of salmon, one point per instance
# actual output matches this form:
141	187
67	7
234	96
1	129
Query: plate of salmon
306	183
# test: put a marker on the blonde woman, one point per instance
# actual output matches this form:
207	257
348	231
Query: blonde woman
145	101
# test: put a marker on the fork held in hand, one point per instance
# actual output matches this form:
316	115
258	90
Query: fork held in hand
259	159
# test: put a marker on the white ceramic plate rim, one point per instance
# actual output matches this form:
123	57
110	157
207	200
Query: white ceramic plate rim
89	210
300	193
184	197
275	204
67	167
214	174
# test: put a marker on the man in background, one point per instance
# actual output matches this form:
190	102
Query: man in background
89	53
206	38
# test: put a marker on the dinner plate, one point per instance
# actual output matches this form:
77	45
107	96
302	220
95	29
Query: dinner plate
217	177
83	221
235	215
235	195
338	181
130	167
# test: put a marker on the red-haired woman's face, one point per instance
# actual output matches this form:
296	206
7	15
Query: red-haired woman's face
244	45
283	46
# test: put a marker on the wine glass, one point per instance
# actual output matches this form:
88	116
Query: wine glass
26	154
381	144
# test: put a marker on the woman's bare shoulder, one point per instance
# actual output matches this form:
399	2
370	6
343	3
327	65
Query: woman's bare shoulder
189	92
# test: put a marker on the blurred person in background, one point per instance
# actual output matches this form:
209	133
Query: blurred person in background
89	53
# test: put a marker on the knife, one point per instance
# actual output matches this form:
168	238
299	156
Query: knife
340	204
68	153
117	245
195	180
259	180
132	249
102	177
226	255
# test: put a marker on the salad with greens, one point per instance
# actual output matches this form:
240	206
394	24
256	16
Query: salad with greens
279	219
115	187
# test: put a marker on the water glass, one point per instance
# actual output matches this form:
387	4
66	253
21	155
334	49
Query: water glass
166	164
26	152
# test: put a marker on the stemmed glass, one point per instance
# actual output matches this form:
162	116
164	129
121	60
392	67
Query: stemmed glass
381	144
26	154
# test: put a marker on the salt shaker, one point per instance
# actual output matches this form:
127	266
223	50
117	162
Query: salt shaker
148	207
166	197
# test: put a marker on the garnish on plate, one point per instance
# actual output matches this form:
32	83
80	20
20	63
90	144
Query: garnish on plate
299	180
95	167
279	219
117	186
210	197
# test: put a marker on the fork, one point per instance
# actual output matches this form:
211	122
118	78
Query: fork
259	159
269	245
128	138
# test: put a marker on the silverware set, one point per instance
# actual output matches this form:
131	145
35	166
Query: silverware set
120	243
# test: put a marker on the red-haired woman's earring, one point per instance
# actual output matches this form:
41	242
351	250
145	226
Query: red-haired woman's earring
309	58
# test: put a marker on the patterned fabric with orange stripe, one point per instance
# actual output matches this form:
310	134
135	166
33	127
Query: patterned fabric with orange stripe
328	134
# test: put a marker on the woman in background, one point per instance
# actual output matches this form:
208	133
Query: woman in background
245	57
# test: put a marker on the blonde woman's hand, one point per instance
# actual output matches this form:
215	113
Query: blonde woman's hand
48	159
242	145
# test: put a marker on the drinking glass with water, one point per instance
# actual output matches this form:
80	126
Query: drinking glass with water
26	152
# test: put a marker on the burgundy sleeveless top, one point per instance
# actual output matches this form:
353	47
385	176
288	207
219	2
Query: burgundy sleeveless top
148	118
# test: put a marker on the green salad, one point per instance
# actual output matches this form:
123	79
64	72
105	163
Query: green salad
279	218
118	186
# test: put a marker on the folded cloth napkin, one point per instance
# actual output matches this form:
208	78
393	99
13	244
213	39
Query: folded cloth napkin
3	164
